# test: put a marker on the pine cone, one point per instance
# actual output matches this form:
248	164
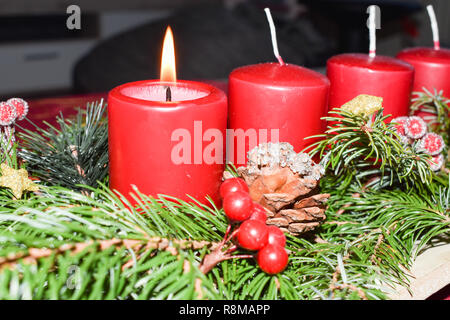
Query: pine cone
285	183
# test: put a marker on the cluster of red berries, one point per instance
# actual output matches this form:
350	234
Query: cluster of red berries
411	129
253	233
12	110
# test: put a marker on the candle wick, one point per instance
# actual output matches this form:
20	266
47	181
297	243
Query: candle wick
434	27
168	94
372	31
273	35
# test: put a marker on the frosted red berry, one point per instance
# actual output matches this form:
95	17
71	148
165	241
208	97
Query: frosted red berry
276	236
21	107
432	143
232	185
415	127
252	235
258	213
7	113
400	125
272	259
436	162
238	206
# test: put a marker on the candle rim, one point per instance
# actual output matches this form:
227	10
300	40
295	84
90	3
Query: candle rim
377	63
426	54
315	79
212	93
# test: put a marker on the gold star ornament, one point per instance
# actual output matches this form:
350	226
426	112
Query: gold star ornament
16	180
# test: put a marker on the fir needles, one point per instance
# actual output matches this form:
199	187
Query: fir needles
366	150
74	154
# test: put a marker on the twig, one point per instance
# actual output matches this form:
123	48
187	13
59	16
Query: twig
33	254
334	286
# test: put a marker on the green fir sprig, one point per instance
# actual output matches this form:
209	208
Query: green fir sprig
436	108
74	154
65	243
366	150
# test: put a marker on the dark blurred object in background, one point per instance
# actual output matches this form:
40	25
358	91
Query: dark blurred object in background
210	41
349	18
120	41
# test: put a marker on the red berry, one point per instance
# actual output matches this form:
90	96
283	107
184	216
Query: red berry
232	185
415	127
252	235
432	143
400	125
259	213
8	113
436	162
272	259
238	206
276	236
21	107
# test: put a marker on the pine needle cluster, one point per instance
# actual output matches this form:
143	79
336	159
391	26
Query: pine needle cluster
74	154
366	150
435	108
66	243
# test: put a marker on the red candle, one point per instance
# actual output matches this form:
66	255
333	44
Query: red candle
432	65
167	138
286	101
274	102
432	68
354	74
386	77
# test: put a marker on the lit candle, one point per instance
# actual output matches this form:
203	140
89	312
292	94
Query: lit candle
432	65
167	136
354	74
274	102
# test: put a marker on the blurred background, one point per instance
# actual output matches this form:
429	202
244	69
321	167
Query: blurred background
120	40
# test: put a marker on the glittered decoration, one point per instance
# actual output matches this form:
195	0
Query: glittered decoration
8	113
21	107
400	129
400	125
282	154
363	104
415	127
16	180
436	162
432	143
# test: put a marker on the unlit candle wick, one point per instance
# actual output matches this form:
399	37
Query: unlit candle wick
434	27
273	35
168	94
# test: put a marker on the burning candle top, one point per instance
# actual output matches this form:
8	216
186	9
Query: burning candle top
157	133
168	89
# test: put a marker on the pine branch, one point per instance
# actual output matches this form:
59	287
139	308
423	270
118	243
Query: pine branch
63	244
368	152
393	225
69	227
437	106
74	154
61	218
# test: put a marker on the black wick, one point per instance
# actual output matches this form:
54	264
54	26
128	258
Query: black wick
168	94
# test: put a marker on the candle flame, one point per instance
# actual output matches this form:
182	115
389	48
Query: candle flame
168	66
